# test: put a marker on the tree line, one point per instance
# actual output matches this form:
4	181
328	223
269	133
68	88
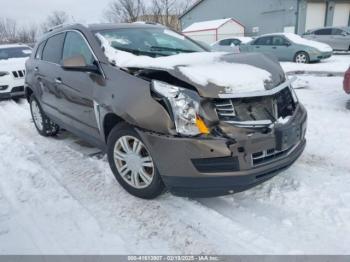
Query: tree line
164	12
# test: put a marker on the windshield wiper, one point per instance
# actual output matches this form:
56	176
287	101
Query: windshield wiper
137	52
163	48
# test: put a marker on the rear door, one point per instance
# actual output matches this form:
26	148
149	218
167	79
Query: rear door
77	87
47	72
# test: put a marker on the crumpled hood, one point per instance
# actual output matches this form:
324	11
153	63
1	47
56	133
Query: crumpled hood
232	74
213	74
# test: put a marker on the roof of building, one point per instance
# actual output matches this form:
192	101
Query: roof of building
191	8
208	25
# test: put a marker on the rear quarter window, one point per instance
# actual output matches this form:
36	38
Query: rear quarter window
39	51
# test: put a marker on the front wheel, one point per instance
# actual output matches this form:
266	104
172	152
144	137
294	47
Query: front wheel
43	124
132	163
302	58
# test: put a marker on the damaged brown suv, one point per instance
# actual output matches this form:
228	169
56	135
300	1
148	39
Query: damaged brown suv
169	114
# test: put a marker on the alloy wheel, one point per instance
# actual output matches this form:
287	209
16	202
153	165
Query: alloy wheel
37	116
301	58
133	161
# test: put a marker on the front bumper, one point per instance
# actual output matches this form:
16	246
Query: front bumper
207	167
8	92
321	56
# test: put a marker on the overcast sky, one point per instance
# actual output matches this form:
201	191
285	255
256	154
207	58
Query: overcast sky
29	11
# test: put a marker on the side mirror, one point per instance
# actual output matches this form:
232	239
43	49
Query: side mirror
288	44
78	63
344	34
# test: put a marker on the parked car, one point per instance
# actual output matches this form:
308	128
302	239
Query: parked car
337	37
166	112
289	47
347	81
12	70
230	44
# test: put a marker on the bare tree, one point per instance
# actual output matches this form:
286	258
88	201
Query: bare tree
125	11
167	12
8	30
27	34
54	19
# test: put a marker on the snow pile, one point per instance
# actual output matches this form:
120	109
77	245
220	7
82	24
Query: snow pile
302	41
335	64
202	68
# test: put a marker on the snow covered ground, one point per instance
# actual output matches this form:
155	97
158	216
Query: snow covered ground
58	197
338	63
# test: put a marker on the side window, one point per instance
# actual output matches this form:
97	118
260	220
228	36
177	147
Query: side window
39	51
279	41
236	42
225	42
326	31
263	41
337	31
75	45
53	49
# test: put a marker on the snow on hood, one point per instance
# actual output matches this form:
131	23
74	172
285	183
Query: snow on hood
202	68
302	41
13	64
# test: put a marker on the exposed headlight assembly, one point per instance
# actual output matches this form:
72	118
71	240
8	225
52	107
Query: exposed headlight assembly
294	94
185	109
4	73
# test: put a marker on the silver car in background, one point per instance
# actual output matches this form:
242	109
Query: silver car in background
230	44
337	37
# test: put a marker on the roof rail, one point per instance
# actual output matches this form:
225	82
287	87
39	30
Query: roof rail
59	26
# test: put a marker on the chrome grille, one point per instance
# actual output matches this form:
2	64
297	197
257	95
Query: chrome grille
19	73
267	156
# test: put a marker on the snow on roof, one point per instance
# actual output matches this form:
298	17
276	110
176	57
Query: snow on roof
206	25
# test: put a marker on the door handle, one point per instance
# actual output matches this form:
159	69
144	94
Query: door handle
274	47
58	80
257	47
36	69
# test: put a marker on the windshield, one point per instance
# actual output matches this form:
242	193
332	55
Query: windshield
14	52
152	42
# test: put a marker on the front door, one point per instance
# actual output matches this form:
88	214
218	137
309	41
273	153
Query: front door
77	87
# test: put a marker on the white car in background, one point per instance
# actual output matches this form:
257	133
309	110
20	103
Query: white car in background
12	69
230	44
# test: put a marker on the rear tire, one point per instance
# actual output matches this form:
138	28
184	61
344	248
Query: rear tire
43	124
132	163
302	58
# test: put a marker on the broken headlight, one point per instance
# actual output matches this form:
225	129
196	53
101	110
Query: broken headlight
184	108
294	94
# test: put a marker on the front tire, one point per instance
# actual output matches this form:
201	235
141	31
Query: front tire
43	124
302	58
132	163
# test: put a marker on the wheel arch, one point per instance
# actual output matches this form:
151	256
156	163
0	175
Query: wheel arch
110	120
28	93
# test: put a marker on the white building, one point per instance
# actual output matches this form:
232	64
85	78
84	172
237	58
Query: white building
214	30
